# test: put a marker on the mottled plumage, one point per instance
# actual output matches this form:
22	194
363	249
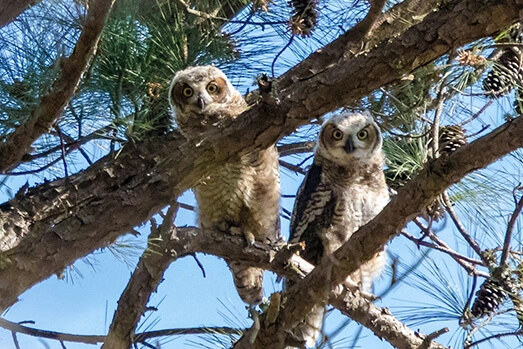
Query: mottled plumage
242	196
343	190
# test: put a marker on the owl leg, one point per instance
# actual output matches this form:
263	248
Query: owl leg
246	232
355	288
228	228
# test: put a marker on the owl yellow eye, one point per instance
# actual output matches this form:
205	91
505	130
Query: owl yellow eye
187	92
337	135
212	87
362	135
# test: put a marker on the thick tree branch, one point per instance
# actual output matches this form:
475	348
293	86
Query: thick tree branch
387	25
48	227
10	9
52	104
144	281
284	262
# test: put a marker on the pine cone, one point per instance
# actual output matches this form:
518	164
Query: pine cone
492	294
488	299
451	138
304	17
508	71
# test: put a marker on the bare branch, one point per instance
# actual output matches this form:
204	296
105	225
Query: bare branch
296	148
455	255
17	328
144	281
95	339
59	222
292	167
472	243
508	234
53	103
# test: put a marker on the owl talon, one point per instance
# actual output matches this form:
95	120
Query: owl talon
249	238
355	288
235	231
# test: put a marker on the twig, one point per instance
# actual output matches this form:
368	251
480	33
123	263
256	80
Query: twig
294	168
279	54
296	148
17	328
71	143
62	149
429	338
95	339
144	343
40	169
510	229
473	117
494	336
472	243
15	340
200	265
186	206
481	130
470	269
288	214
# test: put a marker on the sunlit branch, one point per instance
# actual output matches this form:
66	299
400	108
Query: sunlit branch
95	339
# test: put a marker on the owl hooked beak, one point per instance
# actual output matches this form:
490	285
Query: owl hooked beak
349	146
200	102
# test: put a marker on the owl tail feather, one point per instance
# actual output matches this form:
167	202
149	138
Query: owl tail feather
309	329
248	282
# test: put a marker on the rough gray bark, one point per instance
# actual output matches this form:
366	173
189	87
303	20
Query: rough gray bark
50	226
18	143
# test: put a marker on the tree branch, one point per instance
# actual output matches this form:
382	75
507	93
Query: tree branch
10	9
48	227
95	339
282	260
52	104
144	281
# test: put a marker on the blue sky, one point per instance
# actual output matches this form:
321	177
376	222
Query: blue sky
85	300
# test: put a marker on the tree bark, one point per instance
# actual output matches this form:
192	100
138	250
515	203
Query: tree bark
10	9
48	227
